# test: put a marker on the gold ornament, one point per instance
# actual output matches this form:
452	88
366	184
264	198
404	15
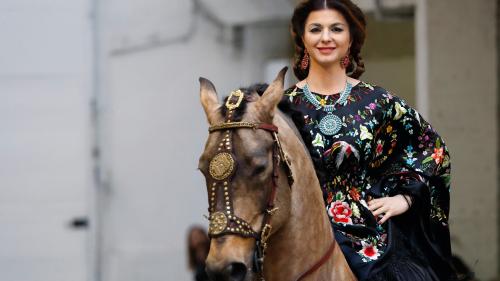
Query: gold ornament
221	166
239	95
218	222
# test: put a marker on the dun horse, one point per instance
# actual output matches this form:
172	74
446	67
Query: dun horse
267	216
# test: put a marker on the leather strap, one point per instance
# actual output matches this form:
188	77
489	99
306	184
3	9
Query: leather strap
316	266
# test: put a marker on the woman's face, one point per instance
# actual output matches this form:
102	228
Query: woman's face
326	36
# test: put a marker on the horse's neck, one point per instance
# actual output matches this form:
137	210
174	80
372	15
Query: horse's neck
307	234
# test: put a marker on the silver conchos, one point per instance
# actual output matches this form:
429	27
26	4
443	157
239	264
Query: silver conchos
330	124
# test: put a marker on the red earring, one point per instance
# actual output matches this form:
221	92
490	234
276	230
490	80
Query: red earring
305	60
344	63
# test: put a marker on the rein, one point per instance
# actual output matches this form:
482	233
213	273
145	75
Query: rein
223	166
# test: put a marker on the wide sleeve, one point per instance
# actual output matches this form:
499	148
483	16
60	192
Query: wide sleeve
409	157
408	151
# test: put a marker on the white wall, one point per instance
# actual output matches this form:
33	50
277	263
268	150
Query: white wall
44	139
463	104
154	128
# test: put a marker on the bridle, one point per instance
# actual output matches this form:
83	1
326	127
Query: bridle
221	169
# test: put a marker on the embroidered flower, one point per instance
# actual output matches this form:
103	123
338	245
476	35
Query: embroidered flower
322	102
329	199
400	111
342	150
340	212
368	86
389	129
379	149
292	93
339	196
410	161
365	134
369	251
318	140
372	106
357	117
355	210
354	194
438	155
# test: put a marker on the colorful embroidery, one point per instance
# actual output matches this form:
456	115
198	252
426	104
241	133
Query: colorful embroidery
381	137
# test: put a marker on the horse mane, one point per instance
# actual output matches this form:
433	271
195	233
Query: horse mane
293	117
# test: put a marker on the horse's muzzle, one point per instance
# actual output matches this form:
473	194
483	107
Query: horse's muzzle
235	271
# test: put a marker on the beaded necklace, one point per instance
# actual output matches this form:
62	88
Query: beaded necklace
330	124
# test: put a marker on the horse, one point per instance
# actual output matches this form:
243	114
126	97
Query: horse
253	174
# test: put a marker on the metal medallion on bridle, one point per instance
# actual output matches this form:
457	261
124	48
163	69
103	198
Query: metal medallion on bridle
218	222
221	166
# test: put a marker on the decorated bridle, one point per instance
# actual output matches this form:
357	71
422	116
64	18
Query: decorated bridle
221	169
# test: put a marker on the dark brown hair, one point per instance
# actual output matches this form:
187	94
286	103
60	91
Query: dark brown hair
357	28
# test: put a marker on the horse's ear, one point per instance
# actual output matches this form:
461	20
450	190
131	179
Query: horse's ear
209	100
273	94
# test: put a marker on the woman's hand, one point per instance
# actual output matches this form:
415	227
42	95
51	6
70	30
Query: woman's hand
389	206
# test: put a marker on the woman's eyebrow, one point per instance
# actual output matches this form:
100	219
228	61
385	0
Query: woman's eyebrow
314	24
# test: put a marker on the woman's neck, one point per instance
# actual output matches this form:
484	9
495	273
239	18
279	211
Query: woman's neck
326	80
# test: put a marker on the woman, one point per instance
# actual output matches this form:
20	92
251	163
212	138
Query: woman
384	171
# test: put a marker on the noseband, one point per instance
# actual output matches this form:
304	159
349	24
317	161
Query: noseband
222	168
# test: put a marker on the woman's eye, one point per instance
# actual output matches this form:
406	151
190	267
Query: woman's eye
315	30
337	29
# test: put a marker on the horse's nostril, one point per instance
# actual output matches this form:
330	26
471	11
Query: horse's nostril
236	271
214	275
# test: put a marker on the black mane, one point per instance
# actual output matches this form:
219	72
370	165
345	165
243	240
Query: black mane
284	106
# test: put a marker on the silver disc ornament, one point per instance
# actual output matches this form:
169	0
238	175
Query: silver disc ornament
330	124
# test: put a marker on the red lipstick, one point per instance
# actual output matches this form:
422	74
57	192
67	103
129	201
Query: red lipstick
326	50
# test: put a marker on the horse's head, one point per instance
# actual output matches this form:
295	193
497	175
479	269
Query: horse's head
240	163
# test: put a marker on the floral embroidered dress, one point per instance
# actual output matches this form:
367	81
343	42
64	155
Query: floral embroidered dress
383	148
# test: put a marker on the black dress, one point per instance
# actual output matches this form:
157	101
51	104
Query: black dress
383	148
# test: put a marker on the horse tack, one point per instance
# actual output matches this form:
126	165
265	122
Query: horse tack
221	169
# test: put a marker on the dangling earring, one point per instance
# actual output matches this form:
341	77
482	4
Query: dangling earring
305	60
344	63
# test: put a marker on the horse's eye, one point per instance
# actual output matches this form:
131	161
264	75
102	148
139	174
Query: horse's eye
259	169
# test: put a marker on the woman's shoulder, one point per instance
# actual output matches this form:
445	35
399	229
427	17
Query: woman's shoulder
379	93
359	87
371	88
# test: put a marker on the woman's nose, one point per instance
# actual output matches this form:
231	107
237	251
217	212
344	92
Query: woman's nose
326	36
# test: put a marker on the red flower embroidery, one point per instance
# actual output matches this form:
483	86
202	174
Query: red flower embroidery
340	212
354	194
438	155
330	198
369	250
